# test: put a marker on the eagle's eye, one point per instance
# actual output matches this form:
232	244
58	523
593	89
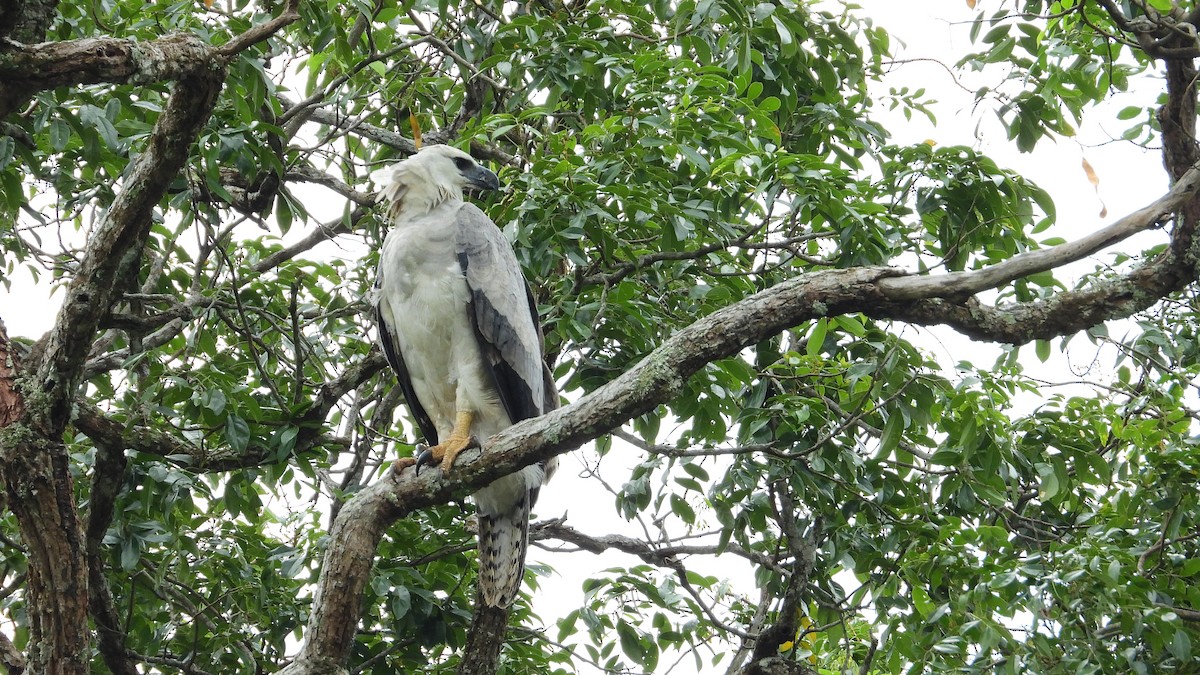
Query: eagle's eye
463	164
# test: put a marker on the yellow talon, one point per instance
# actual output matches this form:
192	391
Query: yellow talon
460	439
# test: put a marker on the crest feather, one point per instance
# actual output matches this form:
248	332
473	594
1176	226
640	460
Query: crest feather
416	187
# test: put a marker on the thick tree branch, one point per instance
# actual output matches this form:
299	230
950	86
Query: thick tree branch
33	459
35	462
27	69
121	233
28	20
485	639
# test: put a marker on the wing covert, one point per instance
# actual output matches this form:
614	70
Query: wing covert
502	313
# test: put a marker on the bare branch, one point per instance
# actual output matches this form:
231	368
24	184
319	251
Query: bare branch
260	32
963	284
661	556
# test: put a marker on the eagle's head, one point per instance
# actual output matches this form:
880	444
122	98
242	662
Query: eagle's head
434	175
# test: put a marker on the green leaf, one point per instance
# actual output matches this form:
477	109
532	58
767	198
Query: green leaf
214	400
631	643
696	159
237	433
60	134
1130	112
1181	646
781	29
892	433
681	508
1049	486
816	339
1042	350
401	602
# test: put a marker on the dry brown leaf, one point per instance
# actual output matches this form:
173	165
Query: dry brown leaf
416	129
1091	174
1094	179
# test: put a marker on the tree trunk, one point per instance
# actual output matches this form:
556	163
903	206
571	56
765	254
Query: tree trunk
485	640
37	483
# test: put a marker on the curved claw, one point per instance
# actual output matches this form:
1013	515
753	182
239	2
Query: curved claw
424	456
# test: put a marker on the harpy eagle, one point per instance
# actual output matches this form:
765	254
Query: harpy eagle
459	326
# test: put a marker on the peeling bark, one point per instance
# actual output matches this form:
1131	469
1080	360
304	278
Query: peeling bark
37	482
12	407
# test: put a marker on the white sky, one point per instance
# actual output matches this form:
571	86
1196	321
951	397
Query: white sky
1129	178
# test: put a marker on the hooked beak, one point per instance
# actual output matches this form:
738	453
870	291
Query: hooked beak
481	178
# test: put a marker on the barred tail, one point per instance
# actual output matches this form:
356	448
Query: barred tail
502	542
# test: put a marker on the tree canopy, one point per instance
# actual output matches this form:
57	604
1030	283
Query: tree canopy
734	264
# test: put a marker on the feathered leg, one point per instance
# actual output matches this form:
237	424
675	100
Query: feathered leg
502	541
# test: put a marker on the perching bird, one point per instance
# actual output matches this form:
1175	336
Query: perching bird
459	326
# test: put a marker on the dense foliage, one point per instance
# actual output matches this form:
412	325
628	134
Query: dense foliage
661	161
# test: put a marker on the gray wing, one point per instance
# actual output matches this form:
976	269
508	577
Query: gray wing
503	314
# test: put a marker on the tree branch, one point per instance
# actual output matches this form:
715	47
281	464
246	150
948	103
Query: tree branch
654	555
787	619
260	32
109	474
964	284
105	430
121	234
27	69
11	657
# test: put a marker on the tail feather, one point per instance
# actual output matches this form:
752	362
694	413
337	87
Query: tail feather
502	541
